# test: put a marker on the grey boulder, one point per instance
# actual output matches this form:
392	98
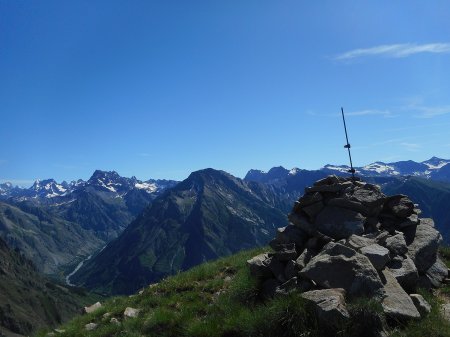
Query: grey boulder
258	266
329	305
338	266
421	304
397	304
424	247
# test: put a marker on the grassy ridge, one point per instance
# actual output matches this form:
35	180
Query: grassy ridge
220	298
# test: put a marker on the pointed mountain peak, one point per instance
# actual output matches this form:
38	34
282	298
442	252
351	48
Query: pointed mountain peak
99	174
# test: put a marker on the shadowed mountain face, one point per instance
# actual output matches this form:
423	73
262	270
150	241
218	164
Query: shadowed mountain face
210	214
27	300
46	239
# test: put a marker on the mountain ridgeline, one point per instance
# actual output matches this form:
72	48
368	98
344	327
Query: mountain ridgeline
59	224
208	215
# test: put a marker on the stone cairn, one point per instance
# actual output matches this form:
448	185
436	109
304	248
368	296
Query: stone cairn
347	239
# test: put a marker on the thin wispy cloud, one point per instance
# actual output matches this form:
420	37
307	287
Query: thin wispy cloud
395	50
432	111
413	147
366	112
385	113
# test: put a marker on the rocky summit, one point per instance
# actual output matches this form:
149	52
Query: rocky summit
345	240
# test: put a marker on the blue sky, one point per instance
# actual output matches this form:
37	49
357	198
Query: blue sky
158	89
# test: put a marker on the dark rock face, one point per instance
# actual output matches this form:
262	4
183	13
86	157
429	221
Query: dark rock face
346	234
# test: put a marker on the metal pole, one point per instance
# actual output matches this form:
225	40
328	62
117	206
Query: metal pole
347	146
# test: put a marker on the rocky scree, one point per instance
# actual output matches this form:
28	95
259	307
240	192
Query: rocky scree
346	239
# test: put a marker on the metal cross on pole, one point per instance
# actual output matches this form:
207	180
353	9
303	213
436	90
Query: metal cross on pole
347	146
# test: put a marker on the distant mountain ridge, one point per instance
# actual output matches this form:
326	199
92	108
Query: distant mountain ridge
59	223
434	168
108	181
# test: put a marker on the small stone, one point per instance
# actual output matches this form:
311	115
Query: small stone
60	330
114	321
227	279
357	242
329	305
400	206
259	266
141	292
92	308
396	244
131	312
377	255
91	326
422	306
106	315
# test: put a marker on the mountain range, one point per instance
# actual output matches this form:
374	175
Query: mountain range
59	224
158	227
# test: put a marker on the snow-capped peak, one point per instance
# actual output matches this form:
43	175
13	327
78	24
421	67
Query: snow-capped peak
294	171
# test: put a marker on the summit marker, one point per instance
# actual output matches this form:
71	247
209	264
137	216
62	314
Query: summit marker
348	146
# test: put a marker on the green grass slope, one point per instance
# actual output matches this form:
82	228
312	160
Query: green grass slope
220	298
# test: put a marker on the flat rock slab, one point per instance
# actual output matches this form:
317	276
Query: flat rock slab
329	305
424	247
339	223
338	266
397	304
377	255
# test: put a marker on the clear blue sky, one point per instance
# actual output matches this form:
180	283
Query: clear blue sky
158	89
